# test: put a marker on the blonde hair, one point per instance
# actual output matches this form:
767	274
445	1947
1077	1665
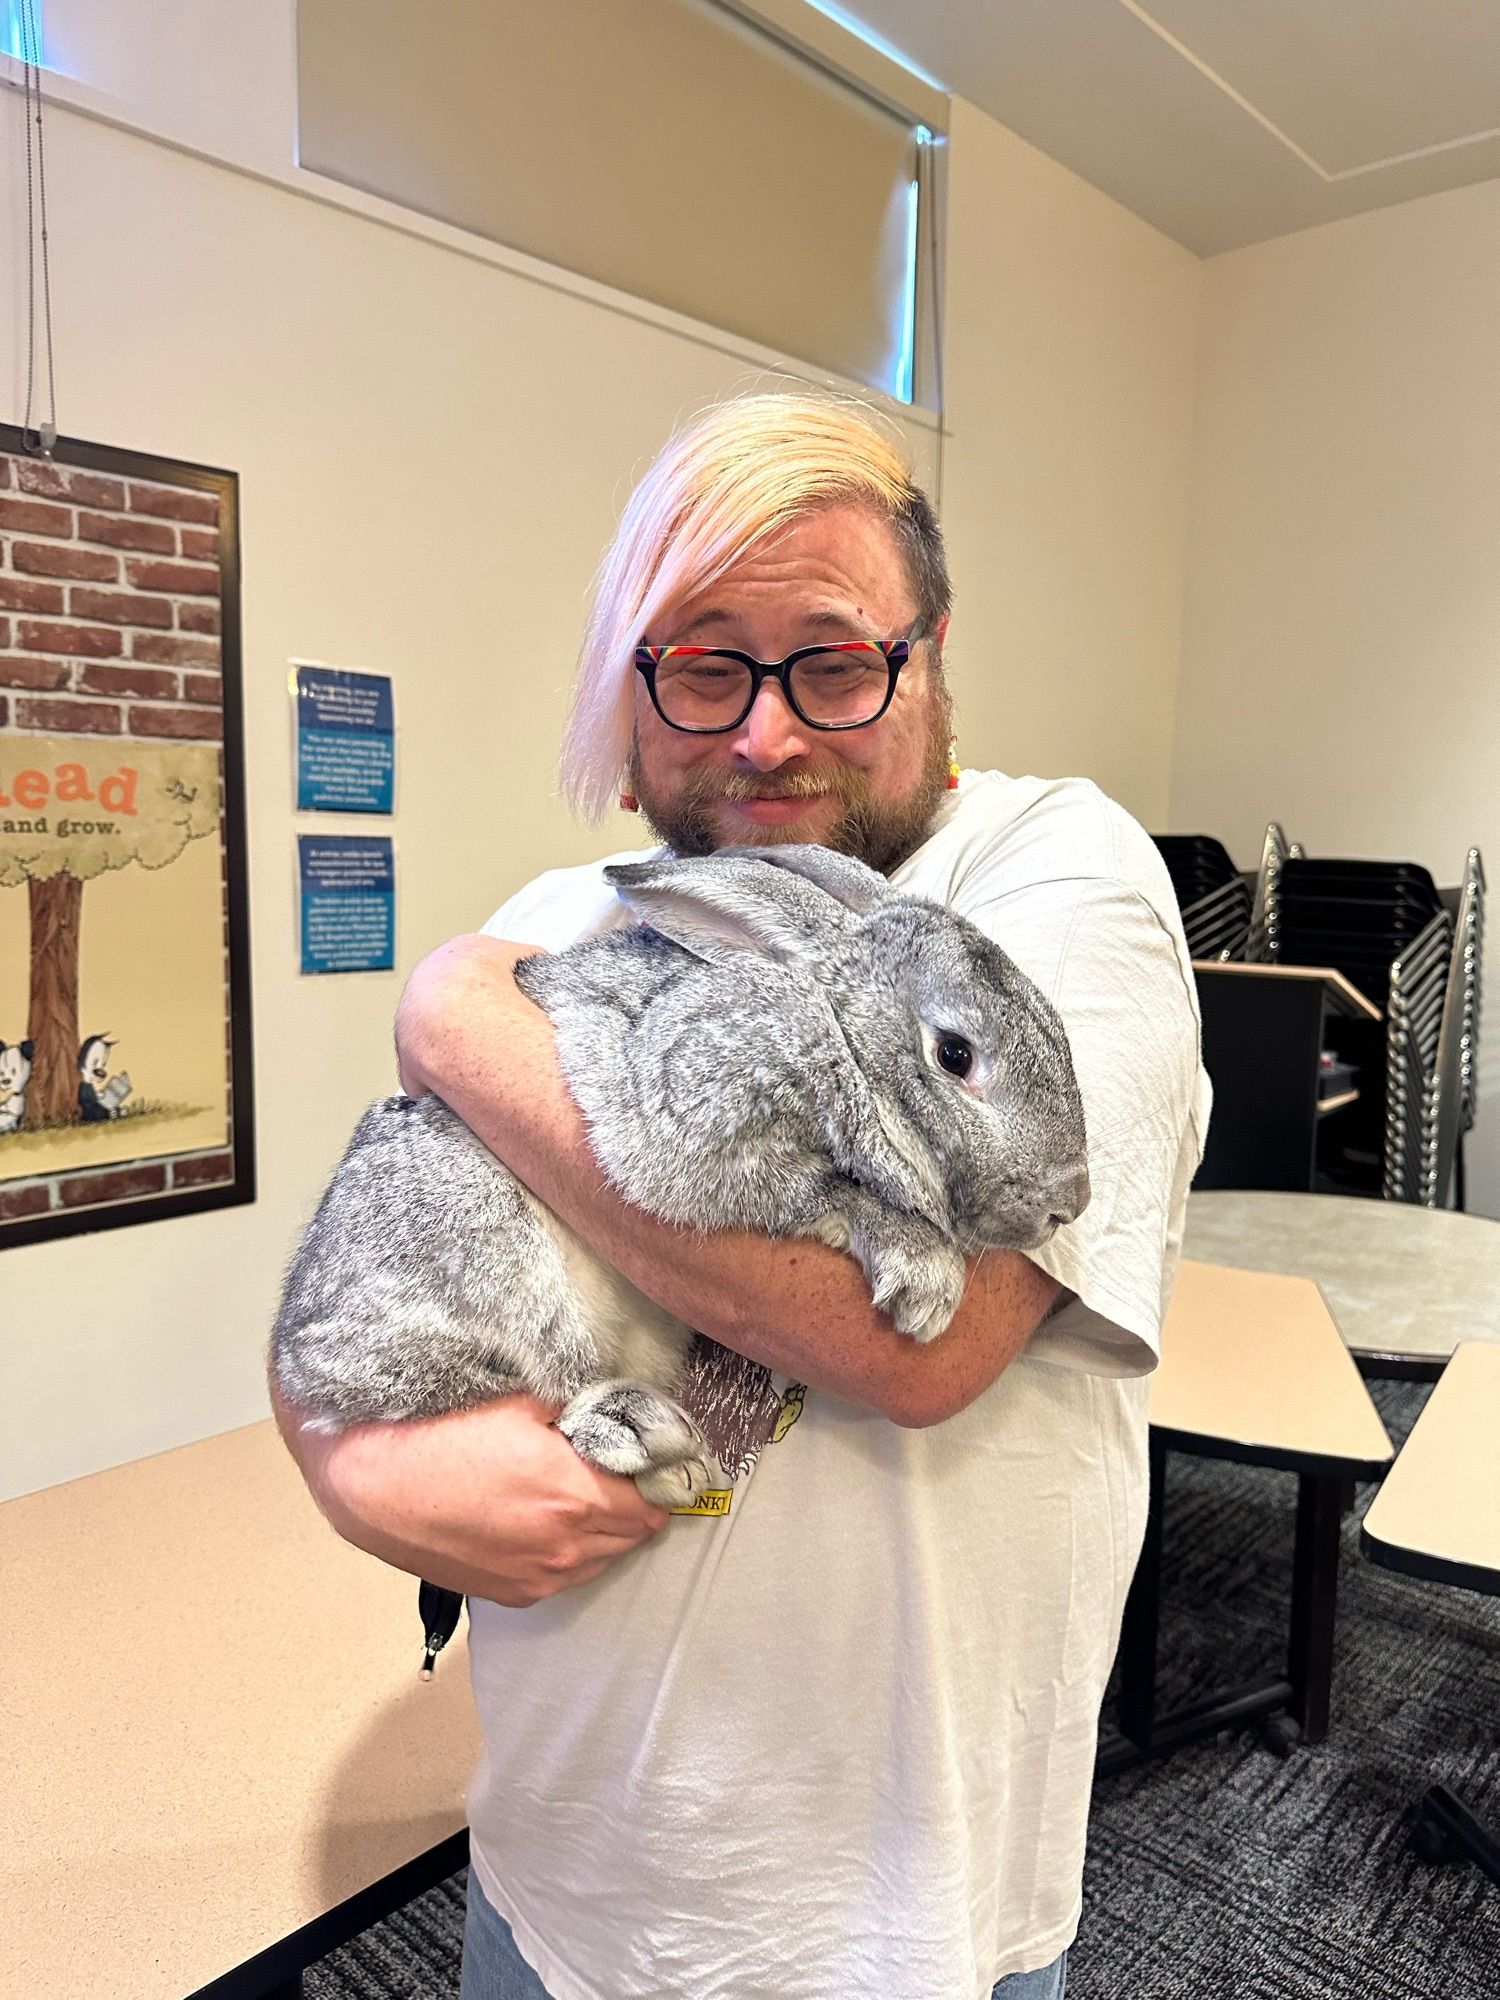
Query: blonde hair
735	476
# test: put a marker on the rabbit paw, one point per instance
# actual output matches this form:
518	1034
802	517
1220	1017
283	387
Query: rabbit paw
625	1428
919	1280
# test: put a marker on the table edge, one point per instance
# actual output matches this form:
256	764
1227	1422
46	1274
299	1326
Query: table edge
284	1961
1429	1568
1276	1458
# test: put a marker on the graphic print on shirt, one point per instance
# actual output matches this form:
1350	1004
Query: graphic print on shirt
738	1408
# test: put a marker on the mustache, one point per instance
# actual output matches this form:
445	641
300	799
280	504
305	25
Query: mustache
840	781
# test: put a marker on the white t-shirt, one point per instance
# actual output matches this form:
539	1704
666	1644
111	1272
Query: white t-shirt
839	1741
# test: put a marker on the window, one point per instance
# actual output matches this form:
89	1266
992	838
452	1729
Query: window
21	29
669	148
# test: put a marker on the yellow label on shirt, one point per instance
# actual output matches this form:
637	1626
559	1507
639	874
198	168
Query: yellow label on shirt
716	1500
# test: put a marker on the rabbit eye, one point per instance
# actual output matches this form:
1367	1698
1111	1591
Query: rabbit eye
955	1055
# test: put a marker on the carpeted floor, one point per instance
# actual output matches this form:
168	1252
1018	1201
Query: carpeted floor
1226	1873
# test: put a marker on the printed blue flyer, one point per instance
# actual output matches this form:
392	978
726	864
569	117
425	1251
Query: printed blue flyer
346	740
347	900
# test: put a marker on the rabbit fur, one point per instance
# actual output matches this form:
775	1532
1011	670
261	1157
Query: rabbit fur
763	1051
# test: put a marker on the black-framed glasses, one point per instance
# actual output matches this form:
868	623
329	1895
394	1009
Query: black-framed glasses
705	690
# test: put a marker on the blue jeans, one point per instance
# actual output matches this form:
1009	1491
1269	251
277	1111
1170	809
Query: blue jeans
495	1970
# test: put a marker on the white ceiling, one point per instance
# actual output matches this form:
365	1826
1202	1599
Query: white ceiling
1225	122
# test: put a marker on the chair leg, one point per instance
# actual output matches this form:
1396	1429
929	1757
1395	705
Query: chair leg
1447	1831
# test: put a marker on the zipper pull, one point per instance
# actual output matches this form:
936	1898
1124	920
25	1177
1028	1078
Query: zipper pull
439	1611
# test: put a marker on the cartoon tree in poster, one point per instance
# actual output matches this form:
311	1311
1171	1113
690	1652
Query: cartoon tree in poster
76	810
52	1019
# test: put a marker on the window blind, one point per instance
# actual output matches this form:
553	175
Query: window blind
664	147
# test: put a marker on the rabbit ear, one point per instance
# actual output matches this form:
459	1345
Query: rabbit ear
848	881
725	903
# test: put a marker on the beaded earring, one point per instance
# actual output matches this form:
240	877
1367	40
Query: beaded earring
629	803
953	773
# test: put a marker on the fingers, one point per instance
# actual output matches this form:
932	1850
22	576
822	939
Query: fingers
588	1558
516	1595
621	1518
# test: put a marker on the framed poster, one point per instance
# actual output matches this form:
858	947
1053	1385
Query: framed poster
125	1061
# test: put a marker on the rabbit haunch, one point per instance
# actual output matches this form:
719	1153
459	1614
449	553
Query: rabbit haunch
786	1045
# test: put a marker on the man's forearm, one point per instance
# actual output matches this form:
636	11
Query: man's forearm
794	1305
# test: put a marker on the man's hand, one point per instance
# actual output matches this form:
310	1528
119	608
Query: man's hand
491	1502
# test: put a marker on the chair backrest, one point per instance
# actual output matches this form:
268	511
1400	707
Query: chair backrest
1260	947
1455	1074
1212	897
1433	1019
1414	1007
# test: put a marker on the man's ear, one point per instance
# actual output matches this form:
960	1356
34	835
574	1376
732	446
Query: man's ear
718	905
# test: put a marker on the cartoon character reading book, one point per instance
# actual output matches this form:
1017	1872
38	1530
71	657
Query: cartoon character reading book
100	1095
15	1073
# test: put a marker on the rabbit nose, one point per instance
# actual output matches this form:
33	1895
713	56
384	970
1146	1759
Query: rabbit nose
1071	1196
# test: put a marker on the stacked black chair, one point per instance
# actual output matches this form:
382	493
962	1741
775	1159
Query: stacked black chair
1383	926
1275	851
1453	1093
1213	897
1416	954
1414	951
1358	916
1414	1022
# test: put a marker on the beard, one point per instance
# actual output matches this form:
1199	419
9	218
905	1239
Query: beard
880	832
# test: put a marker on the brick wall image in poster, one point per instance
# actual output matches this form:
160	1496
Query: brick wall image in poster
124	1031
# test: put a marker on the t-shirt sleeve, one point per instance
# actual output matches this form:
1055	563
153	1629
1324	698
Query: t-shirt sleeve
557	909
1113	969
517	919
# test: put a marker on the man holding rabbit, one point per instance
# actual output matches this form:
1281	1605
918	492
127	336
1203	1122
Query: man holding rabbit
838	1740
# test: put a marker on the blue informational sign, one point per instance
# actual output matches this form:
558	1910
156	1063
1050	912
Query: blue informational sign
346	741
347	898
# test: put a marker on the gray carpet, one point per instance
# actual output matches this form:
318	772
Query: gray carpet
1226	1873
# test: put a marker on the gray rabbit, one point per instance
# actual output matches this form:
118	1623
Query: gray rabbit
785	1044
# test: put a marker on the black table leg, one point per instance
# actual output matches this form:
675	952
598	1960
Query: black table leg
1286	1708
1315	1579
1139	1629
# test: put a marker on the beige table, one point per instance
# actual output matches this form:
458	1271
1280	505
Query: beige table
1254	1370
217	1747
1438	1514
1438	1517
1405	1284
1254	1363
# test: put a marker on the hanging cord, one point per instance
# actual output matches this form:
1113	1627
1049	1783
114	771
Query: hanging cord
41	440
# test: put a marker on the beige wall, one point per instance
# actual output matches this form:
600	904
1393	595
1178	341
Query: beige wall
431	453
400	409
1341	639
1070	346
